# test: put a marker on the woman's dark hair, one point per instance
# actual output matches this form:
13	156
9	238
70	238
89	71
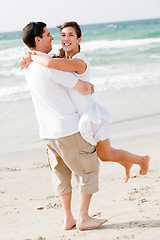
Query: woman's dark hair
77	29
71	24
32	30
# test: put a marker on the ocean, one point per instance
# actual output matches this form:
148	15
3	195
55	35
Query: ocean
121	55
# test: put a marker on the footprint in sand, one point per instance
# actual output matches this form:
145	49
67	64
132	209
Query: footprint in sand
50	205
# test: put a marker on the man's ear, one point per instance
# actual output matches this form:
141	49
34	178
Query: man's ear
37	40
79	40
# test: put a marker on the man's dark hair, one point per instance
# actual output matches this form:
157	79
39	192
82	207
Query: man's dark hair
32	30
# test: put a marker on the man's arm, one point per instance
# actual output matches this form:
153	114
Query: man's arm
70	80
67	79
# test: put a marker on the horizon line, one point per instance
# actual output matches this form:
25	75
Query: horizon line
88	24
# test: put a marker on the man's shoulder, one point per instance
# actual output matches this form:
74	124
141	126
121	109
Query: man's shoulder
36	70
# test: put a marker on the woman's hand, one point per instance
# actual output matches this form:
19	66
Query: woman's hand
92	88
26	60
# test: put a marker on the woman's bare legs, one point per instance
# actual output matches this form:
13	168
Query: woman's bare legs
108	154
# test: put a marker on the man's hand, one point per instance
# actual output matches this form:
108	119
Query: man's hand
85	88
92	88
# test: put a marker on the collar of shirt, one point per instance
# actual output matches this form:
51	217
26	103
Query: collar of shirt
41	53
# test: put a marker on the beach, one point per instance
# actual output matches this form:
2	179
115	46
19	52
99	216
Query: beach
29	208
124	67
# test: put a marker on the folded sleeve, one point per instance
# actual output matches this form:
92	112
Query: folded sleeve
66	79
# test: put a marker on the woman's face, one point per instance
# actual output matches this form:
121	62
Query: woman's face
69	39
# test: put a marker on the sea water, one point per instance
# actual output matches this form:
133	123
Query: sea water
121	55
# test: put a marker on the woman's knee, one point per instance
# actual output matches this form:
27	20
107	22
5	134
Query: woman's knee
105	157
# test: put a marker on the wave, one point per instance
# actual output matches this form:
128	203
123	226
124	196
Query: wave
104	78
152	35
12	53
110	44
122	82
14	93
10	73
15	53
155	57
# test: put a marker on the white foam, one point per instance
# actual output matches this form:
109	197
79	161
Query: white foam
14	93
125	76
123	81
109	44
12	53
16	53
154	57
11	72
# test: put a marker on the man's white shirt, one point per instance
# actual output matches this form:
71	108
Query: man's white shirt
56	114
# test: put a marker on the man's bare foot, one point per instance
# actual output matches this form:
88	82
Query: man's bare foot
89	223
69	224
144	165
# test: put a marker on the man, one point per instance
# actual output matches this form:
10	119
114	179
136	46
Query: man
58	121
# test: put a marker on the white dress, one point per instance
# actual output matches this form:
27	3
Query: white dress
94	124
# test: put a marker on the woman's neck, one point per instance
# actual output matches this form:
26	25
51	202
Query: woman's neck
71	53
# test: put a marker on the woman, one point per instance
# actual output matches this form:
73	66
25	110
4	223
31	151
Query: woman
94	119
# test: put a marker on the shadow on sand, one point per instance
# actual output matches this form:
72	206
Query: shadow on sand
133	224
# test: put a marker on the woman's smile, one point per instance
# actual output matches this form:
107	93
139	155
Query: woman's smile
67	44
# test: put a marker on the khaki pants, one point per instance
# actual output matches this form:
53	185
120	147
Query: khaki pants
72	154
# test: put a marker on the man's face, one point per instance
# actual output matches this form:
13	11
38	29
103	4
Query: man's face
45	43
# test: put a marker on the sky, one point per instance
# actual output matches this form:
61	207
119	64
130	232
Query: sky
15	14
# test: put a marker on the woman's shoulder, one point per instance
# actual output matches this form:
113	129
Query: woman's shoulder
82	56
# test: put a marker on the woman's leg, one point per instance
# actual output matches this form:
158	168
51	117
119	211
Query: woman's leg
108	154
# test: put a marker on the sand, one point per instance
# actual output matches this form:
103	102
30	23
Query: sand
29	209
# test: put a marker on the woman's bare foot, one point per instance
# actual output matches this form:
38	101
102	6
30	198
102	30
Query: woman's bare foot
144	165
69	224
126	174
89	223
127	167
